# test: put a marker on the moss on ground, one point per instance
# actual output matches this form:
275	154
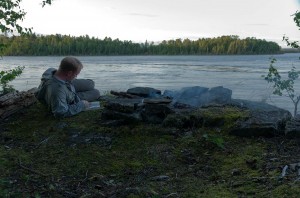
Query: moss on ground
41	156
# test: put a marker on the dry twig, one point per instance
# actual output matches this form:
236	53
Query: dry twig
31	170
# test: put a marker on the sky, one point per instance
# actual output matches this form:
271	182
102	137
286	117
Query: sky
157	20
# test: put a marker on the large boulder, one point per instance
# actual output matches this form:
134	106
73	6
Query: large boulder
199	96
208	116
241	117
219	95
264	119
292	128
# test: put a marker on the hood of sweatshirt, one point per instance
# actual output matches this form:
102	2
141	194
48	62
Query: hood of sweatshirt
47	75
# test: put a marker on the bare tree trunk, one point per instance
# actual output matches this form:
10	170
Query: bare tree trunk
296	107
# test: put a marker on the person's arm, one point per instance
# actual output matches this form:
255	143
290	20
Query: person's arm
60	107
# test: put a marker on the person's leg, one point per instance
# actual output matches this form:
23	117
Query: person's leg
83	85
90	95
85	89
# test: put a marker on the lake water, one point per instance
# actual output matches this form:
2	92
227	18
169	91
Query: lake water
240	73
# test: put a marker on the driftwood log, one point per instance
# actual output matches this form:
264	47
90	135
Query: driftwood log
12	102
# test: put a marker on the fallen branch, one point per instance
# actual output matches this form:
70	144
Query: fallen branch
86	177
31	170
42	142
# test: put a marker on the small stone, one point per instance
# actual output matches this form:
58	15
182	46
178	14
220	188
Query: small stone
273	159
237	184
60	126
252	163
235	172
160	178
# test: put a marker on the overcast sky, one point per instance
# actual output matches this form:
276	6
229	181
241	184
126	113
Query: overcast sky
157	20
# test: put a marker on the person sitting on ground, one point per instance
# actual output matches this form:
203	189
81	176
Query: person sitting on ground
63	94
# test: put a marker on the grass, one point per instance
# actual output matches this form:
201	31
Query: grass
41	156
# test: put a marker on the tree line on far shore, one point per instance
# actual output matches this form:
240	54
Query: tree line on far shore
45	45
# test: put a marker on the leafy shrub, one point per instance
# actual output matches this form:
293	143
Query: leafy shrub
6	77
286	87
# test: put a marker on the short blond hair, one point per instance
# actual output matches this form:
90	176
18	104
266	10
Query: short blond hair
70	64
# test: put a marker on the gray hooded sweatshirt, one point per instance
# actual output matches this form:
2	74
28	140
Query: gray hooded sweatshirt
58	95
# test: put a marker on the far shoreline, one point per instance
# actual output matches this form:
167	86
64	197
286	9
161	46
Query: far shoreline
139	55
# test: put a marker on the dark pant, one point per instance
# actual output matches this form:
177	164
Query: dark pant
85	89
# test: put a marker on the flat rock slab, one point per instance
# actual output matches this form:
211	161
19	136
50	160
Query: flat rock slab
124	105
146	92
157	101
